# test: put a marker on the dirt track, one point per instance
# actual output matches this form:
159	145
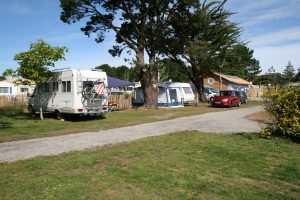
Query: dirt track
232	121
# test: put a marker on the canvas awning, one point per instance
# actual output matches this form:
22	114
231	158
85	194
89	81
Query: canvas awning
114	82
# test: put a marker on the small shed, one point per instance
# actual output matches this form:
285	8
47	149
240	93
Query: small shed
168	96
226	82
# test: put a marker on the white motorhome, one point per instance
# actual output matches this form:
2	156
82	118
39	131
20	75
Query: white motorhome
71	91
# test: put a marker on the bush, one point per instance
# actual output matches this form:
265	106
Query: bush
284	107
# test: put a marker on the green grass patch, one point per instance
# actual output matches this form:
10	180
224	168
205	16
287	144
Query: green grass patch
185	165
20	127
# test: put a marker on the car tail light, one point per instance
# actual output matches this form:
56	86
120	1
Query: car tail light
80	110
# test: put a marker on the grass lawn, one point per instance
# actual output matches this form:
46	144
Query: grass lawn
185	165
21	127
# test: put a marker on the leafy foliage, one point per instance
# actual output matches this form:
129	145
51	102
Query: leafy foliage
8	73
35	63
284	107
289	72
139	26
240	62
297	77
201	39
121	72
171	70
273	79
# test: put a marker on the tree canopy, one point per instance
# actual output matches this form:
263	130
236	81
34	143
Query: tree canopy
36	62
168	69
289	72
8	73
239	61
201	39
139	26
122	72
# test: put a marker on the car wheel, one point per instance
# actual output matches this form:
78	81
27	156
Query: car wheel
230	104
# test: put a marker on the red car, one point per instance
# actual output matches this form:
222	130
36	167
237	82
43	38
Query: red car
226	98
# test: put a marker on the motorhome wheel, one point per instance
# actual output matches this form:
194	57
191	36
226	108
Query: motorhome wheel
31	111
58	115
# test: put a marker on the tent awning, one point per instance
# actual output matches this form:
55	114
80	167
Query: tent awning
114	82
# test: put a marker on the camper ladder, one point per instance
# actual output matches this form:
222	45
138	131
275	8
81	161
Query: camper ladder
79	81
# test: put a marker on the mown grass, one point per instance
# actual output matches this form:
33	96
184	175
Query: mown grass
20	127
185	165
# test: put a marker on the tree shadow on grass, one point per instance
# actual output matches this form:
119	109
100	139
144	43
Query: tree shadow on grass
275	136
4	124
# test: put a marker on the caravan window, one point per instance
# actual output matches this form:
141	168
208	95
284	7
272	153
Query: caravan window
4	90
66	86
187	90
24	89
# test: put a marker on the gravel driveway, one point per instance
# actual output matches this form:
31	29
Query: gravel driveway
232	121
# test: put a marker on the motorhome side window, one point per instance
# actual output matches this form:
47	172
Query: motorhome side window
54	86
66	86
44	87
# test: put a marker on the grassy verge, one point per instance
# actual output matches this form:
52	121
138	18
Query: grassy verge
185	165
21	127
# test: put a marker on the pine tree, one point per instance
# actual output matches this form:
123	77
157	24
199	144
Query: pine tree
289	72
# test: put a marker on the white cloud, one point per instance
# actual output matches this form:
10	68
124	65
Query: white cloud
278	56
256	12
276	38
246	6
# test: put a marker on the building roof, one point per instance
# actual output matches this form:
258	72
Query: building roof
234	79
15	81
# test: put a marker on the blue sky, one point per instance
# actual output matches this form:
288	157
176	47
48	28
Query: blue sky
272	28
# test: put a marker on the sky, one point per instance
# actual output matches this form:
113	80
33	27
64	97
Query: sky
272	28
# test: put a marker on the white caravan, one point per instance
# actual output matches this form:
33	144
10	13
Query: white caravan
186	92
170	94
71	91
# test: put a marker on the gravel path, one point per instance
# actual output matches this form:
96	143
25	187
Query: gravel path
232	121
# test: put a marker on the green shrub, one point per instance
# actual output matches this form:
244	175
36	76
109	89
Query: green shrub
284	107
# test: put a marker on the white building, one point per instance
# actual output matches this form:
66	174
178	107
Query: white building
13	87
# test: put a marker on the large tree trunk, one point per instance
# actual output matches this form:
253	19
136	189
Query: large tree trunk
148	78
196	76
199	84
40	104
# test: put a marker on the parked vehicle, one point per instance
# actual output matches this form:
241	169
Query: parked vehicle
243	96
226	98
209	93
78	92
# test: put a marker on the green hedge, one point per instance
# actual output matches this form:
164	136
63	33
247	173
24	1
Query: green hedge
284	107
